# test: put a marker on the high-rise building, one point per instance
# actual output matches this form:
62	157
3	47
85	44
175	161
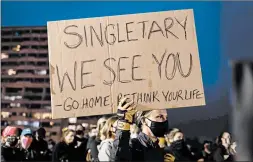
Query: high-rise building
25	88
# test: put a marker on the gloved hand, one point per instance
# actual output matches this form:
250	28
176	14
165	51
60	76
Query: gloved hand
169	158
126	112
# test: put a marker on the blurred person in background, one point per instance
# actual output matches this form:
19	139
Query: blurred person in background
178	150
134	130
207	151
145	147
29	154
105	147
94	141
225	150
19	136
64	150
9	149
40	145
169	136
80	144
51	145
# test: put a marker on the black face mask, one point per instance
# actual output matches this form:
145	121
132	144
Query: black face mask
79	132
159	128
178	145
12	141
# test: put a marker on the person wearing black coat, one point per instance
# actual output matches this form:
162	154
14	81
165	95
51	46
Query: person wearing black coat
145	147
80	144
178	149
64	151
9	150
222	151
40	145
28	152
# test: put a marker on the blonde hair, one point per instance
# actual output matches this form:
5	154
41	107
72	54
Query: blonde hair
100	124
106	130
139	117
171	135
65	132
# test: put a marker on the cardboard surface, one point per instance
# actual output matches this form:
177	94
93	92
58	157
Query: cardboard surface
151	58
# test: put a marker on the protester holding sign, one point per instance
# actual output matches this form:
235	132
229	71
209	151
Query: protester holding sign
145	147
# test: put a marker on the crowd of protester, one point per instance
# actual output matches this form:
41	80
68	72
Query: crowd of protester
130	135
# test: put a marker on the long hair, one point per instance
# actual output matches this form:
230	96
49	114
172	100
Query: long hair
100	124
65	132
106	130
140	116
172	132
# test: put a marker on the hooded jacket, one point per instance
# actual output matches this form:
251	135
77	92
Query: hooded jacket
141	148
105	150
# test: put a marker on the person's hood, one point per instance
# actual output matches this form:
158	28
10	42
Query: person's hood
146	141
105	142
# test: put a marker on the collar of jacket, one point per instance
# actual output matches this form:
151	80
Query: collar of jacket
146	141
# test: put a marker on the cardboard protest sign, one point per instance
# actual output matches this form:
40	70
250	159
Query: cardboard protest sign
152	58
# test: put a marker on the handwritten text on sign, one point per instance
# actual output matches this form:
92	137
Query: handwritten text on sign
151	58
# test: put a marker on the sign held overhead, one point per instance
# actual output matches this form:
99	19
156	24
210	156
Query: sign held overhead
152	58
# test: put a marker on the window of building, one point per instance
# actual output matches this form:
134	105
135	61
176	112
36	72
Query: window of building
32	97
53	133
40	72
45	124
13	90
35	124
43	55
35	47
30	63
14	105
5	114
32	55
46	116
35	106
4	56
26	39
41	63
47	97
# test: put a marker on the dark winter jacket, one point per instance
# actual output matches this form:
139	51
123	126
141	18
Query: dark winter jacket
29	154
42	151
10	154
63	152
219	154
92	145
80	145
141	148
180	153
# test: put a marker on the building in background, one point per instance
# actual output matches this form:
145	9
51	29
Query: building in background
25	84
25	87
